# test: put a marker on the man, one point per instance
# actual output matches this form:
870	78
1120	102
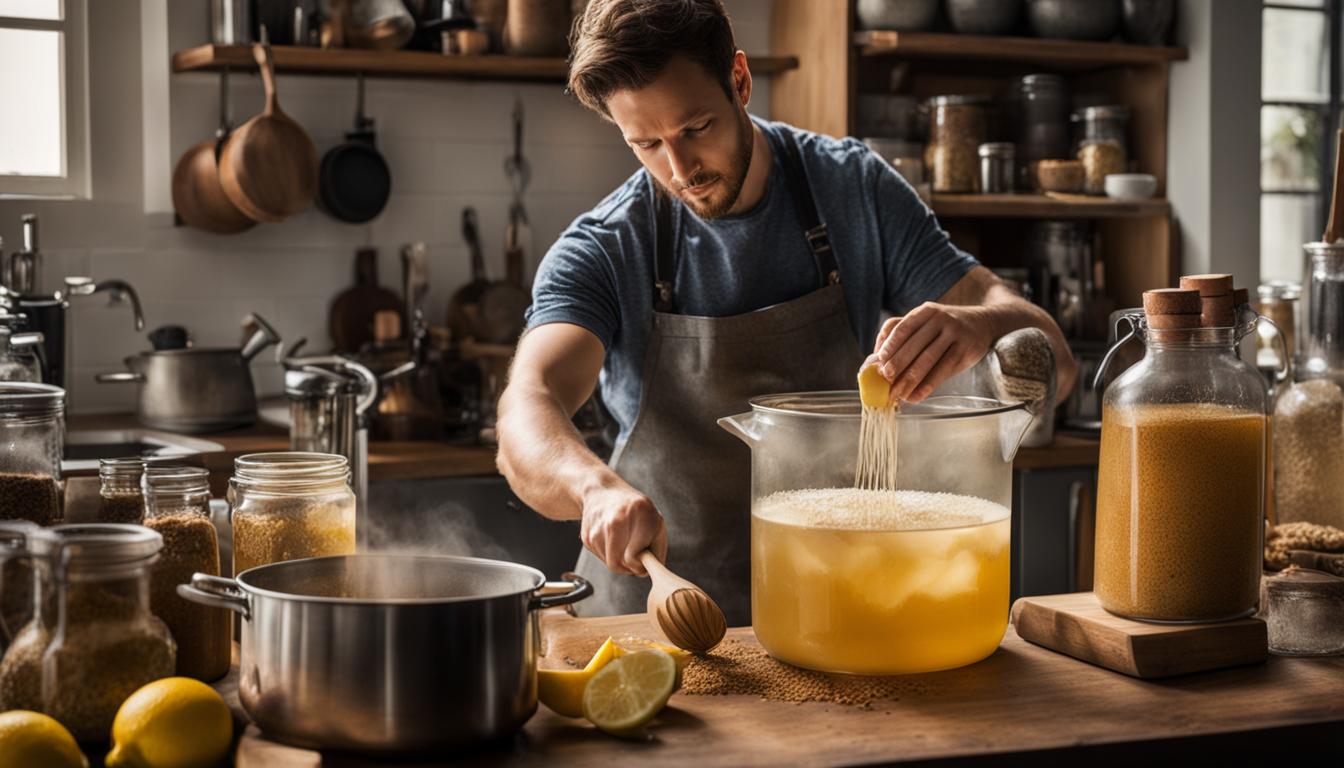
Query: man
744	258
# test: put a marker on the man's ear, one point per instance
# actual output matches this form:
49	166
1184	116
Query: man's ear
741	78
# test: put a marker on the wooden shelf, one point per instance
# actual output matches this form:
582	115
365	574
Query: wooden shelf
1054	54
404	64
1046	207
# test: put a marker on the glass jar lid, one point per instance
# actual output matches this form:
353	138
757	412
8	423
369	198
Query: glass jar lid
30	400
96	550
1280	289
1004	149
121	468
176	479
290	471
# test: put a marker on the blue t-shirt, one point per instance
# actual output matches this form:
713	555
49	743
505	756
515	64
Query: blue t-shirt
891	252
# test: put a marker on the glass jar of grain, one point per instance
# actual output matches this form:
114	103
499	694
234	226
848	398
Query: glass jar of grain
92	641
177	505
288	506
957	128
1180	488
1101	144
119	496
32	440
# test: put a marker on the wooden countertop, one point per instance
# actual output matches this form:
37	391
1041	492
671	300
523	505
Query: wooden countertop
1022	701
409	460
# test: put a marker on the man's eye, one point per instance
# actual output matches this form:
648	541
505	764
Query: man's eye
701	128
646	145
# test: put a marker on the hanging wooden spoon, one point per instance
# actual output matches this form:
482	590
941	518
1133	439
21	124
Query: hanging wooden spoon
685	613
1335	228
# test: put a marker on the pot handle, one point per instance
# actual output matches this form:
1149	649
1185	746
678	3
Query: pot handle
554	593
216	592
121	377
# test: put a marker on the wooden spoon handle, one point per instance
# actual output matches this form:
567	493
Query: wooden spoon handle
657	571
266	63
1335	228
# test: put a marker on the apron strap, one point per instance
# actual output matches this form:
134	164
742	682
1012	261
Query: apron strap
804	206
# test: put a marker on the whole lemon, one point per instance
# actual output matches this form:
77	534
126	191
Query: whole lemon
175	722
32	738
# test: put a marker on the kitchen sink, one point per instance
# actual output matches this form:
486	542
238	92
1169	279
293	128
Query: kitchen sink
84	447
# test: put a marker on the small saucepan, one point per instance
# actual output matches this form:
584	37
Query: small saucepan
383	653
355	181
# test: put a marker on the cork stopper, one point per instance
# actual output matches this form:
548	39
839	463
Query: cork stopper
1218	311
1240	296
1174	322
1208	285
1171	301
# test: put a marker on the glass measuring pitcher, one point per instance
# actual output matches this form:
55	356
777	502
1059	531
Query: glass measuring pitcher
880	582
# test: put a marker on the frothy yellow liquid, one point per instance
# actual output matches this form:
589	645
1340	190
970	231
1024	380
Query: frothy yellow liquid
879	582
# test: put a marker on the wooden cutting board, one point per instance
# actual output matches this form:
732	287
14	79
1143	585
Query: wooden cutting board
1077	625
350	319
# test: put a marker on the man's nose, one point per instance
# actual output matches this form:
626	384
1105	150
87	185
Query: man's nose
682	163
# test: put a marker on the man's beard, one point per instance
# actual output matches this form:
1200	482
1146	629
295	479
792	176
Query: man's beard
718	204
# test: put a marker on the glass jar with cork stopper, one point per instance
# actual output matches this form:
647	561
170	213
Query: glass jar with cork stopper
177	505
1180	489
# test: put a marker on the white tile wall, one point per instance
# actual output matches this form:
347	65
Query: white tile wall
445	144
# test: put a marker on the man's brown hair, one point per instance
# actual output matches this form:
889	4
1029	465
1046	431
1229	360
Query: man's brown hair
625	44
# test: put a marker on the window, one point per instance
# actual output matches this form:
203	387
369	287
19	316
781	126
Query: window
43	75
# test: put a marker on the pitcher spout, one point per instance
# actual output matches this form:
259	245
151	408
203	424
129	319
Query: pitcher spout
742	426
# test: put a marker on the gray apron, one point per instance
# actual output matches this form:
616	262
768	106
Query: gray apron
699	369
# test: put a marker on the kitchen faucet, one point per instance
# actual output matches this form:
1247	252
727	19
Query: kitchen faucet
119	289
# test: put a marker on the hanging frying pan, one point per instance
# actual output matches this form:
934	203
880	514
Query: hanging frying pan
354	178
198	197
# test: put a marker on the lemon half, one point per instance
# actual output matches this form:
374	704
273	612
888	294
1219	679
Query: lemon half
562	689
874	389
29	739
627	693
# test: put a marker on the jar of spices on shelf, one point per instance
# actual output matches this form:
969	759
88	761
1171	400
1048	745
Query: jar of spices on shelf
957	128
1101	144
290	505
93	640
997	167
177	505
1181	481
1041	125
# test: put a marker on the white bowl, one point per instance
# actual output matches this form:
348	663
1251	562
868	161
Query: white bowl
1131	186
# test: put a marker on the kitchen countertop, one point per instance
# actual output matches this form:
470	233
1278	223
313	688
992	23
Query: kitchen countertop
418	460
1022	701
408	460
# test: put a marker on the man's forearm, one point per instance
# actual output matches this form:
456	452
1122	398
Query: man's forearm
542	455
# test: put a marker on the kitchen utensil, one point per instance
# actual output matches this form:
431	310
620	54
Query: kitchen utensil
23	269
687	616
355	181
1131	186
983	17
201	389
1334	229
464	306
537	28
903	16
1077	625
819	593
383	25
1073	19
268	167
230	22
388	653
1147	22
353	311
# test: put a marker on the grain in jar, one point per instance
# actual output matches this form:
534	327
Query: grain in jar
92	641
957	128
177	505
288	506
1309	454
1101	144
119	496
32	441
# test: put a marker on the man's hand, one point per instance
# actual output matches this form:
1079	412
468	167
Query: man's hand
928	346
619	523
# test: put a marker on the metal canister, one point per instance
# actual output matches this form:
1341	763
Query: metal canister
997	163
230	22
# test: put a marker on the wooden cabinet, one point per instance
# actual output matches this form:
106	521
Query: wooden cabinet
838	62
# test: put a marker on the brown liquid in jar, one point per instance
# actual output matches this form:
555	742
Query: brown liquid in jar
1179	496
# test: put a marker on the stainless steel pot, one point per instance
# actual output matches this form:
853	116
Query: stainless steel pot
388	653
196	389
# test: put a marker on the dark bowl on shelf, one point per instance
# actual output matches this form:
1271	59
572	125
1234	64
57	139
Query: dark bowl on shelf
1147	22
900	15
983	17
1074	19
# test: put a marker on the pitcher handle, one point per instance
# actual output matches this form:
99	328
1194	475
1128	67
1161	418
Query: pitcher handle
1110	353
216	592
1286	367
